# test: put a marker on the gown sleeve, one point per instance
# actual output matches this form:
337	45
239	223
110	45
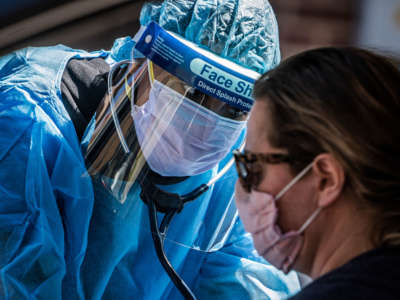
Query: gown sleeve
46	197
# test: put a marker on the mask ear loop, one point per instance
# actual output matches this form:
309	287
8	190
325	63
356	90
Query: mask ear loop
310	220
112	107
285	189
294	181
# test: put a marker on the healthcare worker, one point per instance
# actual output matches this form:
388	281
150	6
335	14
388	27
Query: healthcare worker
97	149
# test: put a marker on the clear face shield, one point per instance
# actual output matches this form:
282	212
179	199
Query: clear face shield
160	135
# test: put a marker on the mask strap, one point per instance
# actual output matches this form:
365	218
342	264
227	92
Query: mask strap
286	188
294	181
309	220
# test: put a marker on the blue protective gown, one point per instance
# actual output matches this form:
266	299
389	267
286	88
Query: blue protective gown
62	236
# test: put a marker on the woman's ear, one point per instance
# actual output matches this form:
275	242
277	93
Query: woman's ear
331	178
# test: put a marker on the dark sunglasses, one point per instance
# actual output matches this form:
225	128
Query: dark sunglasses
249	166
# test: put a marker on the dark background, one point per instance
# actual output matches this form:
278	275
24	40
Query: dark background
303	24
83	24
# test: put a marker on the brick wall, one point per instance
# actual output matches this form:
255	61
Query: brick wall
306	24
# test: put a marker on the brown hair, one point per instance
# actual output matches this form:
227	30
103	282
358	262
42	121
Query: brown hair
343	101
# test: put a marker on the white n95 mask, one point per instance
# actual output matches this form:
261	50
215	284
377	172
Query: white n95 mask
179	137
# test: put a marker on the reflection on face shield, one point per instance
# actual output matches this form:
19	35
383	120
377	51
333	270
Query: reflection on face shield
167	113
214	105
174	134
178	136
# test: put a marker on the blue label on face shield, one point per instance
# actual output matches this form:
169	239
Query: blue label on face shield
207	72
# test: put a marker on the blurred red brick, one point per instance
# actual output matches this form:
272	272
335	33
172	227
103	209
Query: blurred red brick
305	24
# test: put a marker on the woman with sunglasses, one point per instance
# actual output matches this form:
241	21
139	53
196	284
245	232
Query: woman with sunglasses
319	186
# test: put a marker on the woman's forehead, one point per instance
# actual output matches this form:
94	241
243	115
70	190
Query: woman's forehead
259	125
